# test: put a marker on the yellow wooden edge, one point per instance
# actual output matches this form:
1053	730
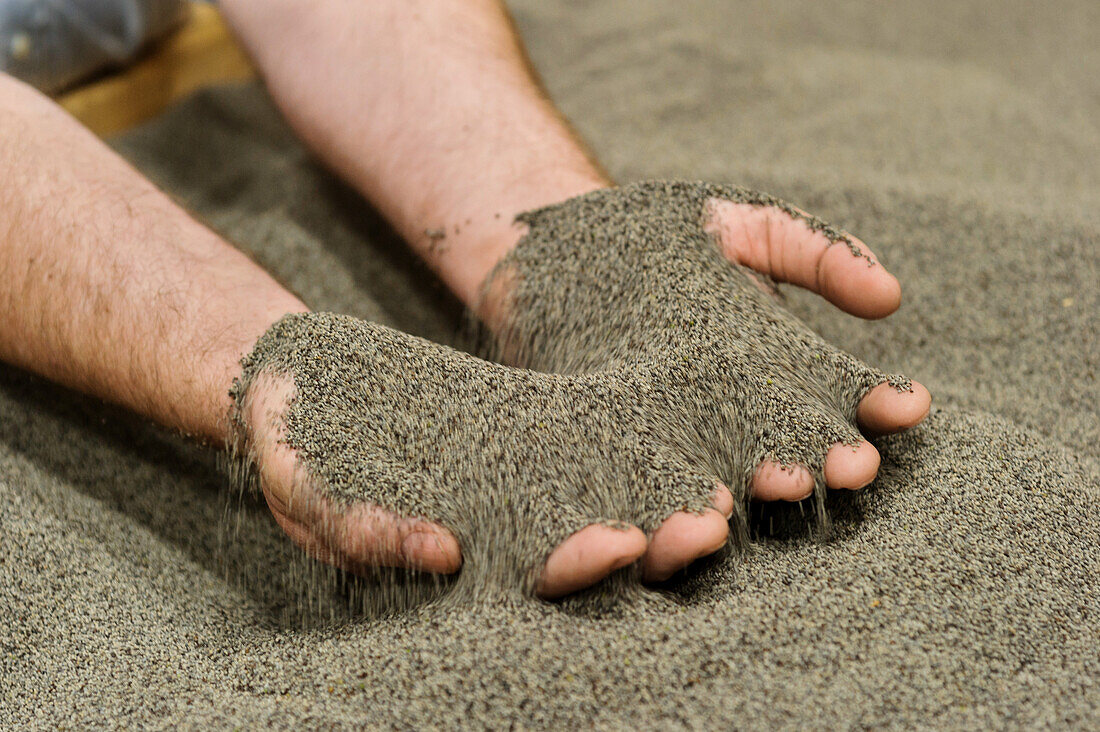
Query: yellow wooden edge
201	53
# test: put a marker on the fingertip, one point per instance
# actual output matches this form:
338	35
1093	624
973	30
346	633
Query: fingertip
851	467
775	482
431	550
885	410
723	501
887	295
450	553
859	285
680	540
369	536
785	247
587	556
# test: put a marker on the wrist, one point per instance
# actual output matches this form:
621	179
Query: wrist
204	331
431	112
464	242
205	412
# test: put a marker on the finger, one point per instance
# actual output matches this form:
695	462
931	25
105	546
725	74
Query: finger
300	534
851	467
775	482
787	249
723	501
587	556
680	540
285	483
368	535
885	410
346	537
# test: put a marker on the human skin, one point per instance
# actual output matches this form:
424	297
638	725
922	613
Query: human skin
431	110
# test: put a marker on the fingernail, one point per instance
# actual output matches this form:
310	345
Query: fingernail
415	546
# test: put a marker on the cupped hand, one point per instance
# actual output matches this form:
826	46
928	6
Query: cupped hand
375	448
663	278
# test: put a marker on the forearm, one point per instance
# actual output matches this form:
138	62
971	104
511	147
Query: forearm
108	287
427	107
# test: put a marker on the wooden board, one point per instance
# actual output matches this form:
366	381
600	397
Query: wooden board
201	53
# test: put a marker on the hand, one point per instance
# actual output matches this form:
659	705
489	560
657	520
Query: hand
651	277
352	537
357	430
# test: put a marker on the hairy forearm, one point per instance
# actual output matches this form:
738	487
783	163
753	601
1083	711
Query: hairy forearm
107	286
428	107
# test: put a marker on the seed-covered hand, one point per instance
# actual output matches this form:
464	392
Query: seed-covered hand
374	447
661	279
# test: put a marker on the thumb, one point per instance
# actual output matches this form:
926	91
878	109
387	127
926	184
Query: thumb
789	245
